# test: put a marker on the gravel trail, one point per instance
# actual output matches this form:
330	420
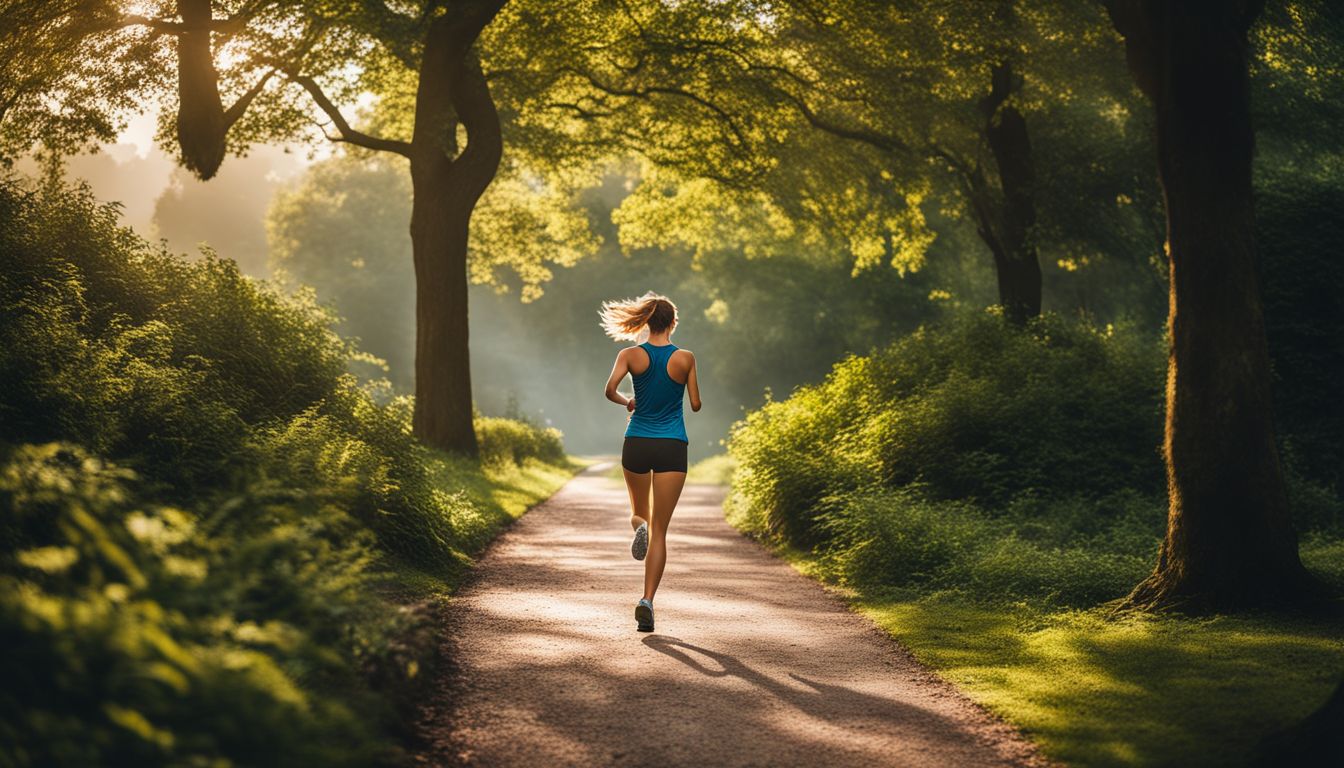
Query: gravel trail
751	663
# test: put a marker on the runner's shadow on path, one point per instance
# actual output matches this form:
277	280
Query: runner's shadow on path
828	702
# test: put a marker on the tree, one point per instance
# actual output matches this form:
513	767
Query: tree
1230	541
341	230
848	126
51	52
448	174
330	53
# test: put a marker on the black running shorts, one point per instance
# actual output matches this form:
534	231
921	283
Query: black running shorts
642	455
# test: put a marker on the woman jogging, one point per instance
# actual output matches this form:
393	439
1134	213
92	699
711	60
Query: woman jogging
654	453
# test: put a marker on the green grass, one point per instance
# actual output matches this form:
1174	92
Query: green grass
504	492
715	470
1138	690
1096	690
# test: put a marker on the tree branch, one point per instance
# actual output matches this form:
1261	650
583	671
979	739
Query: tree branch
645	93
347	134
240	106
170	27
471	99
579	111
867	136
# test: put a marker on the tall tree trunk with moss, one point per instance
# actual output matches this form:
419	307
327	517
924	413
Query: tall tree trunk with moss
447	185
1230	542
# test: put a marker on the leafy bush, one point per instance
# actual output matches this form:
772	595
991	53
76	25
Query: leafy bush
515	441
973	409
900	538
195	376
1002	463
141	634
200	511
140	354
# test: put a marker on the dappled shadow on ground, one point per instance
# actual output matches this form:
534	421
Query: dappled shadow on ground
751	664
1134	690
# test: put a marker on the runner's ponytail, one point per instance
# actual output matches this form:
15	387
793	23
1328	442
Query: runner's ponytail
623	320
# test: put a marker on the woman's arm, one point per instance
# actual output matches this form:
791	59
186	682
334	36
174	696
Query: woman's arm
693	386
618	371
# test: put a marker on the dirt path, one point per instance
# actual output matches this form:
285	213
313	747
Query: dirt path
751	663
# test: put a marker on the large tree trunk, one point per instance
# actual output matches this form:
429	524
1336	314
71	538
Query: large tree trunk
200	112
1230	541
447	186
203	123
1006	221
443	401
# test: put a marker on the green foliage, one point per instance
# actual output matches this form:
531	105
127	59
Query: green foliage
138	634
849	130
514	441
200	511
59	90
1297	232
973	409
901	539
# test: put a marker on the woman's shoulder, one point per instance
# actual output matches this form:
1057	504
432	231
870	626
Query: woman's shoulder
635	354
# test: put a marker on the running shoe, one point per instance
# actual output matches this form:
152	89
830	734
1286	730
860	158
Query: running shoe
644	615
640	546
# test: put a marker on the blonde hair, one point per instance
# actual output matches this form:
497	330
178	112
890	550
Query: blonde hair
623	320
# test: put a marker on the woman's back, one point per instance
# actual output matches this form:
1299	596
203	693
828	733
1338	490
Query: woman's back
658	398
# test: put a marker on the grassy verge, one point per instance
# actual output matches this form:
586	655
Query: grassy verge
1095	690
501	493
715	470
1132	691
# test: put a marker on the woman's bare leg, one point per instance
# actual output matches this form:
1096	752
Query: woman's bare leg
666	490
638	486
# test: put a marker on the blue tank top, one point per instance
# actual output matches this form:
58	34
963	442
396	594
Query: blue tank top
657	398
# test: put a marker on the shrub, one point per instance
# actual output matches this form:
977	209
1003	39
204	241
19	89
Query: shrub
1003	463
141	634
198	378
200	512
515	441
974	409
902	539
141	355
